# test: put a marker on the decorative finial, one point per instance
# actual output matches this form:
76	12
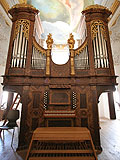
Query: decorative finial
49	41
71	41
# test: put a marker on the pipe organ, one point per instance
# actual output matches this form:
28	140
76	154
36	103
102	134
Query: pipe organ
59	95
99	44
20	42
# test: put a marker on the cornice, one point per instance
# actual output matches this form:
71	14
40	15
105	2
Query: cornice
96	6
23	5
23	1
97	9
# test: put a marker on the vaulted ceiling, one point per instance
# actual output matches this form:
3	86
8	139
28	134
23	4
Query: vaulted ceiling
60	17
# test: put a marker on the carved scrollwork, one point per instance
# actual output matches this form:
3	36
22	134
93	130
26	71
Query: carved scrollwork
25	27
94	28
38	47
81	48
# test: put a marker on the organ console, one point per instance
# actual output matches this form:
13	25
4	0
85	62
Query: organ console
59	95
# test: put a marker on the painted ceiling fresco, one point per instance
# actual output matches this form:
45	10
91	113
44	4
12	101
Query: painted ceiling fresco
60	17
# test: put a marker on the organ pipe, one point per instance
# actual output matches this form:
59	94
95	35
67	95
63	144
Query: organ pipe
99	45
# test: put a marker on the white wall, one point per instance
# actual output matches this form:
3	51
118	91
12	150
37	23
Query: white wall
5	30
2	68
103	106
117	73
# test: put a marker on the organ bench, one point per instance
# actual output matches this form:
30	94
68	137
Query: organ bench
66	143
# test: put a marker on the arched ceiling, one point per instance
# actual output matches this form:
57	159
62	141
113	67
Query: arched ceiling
59	27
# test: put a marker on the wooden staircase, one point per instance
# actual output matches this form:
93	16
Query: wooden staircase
61	143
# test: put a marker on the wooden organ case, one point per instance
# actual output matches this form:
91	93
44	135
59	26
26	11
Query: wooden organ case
59	95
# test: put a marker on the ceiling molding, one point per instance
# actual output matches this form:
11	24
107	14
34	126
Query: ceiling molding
5	5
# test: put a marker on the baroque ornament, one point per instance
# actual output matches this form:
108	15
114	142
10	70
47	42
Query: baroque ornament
38	47
81	48
25	27
94	28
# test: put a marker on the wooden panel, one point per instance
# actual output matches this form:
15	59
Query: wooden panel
83	103
34	123
60	96
84	122
59	123
36	100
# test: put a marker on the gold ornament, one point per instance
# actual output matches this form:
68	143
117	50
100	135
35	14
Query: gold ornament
38	47
25	27
71	41
81	48
49	41
94	28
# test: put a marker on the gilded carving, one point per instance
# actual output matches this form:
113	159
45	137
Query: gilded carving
94	28
71	41
82	47
48	63
72	62
38	47
25	27
49	41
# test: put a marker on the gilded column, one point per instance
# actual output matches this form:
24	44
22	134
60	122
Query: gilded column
49	42
71	43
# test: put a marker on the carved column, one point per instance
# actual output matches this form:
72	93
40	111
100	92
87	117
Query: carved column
24	135
49	42
71	43
111	105
94	128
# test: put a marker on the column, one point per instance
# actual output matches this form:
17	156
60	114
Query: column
111	105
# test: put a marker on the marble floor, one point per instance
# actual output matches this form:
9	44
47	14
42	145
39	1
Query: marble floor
110	141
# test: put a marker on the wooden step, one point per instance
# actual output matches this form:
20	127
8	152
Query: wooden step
61	158
61	151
